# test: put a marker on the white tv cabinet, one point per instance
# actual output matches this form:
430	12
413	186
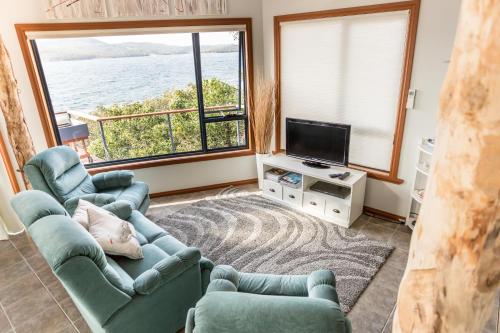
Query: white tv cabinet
330	208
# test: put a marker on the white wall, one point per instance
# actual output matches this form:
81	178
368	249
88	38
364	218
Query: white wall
436	31
160	178
8	219
435	35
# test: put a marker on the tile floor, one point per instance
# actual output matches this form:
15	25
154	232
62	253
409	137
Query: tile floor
32	299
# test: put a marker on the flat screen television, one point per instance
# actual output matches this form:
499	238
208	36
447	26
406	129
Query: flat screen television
318	143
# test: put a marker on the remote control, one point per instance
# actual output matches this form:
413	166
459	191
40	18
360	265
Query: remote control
335	175
344	175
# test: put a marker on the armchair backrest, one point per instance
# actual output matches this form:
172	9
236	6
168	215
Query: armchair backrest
57	237
59	172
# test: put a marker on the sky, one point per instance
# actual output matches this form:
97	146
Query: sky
183	39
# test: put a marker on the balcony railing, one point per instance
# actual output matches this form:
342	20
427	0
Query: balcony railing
167	113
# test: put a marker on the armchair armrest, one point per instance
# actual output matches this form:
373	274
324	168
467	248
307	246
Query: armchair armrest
59	239
321	284
98	199
32	206
112	179
166	270
121	208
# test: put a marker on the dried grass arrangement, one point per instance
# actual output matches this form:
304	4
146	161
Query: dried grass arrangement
262	119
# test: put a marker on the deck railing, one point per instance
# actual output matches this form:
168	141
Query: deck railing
167	113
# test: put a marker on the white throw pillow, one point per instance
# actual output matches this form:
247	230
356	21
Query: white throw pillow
81	216
116	236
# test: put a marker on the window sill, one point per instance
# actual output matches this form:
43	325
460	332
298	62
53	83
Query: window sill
378	174
172	161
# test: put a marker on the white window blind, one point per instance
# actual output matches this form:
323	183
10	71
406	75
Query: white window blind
347	70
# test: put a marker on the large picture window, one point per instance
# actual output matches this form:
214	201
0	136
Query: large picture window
128	96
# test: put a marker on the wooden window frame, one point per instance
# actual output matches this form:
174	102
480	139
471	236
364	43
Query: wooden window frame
23	29
413	7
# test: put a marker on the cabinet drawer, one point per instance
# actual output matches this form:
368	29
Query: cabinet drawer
336	209
292	196
272	189
314	203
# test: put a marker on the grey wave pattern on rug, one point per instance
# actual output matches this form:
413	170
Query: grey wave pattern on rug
257	235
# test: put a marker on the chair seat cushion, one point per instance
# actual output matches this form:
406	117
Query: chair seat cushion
134	194
141	238
152	255
147	228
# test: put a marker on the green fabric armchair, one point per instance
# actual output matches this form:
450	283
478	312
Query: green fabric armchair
117	294
252	303
59	172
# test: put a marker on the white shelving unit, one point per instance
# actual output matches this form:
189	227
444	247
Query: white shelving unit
425	150
328	207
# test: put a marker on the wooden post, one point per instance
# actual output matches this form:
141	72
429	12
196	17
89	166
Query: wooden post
17	131
453	269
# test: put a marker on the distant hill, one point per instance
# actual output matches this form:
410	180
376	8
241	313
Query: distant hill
91	48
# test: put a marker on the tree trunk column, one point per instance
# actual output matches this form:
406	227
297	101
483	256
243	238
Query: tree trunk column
18	133
453	270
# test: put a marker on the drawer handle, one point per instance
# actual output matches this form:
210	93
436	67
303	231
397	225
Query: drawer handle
313	203
291	196
336	211
272	190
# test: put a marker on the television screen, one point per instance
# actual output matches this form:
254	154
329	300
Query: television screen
318	141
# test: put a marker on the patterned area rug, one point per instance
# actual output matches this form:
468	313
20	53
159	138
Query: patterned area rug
254	234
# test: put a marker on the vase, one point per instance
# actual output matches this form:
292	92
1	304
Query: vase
260	168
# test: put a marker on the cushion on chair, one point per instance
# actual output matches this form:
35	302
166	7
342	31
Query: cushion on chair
116	236
81	214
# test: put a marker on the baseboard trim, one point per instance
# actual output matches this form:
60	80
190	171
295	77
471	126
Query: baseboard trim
203	188
383	214
371	211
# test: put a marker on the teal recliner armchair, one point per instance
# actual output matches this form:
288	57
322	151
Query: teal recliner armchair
254	303
117	294
59	172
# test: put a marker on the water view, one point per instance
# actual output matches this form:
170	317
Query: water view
83	85
134	96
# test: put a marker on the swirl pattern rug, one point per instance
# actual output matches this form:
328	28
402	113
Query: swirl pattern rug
258	235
